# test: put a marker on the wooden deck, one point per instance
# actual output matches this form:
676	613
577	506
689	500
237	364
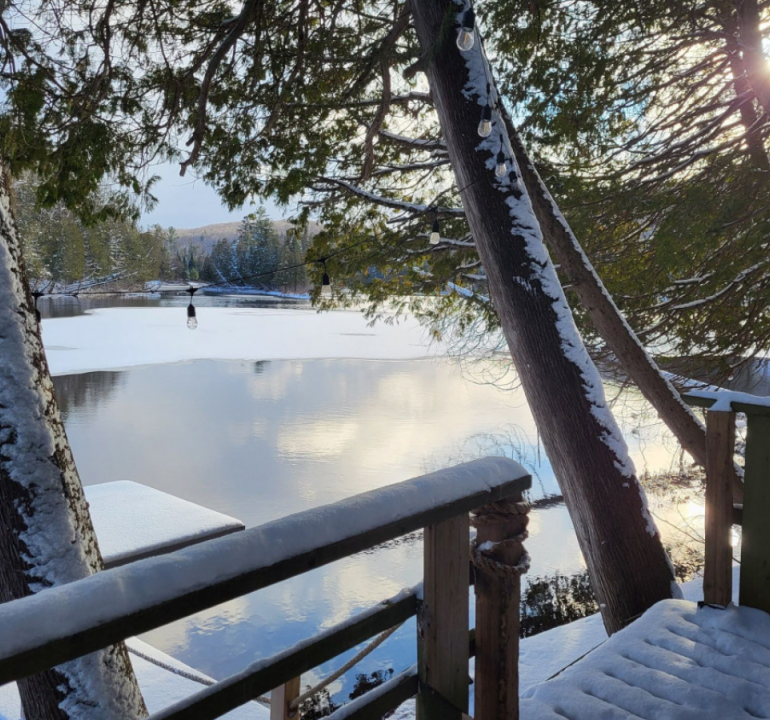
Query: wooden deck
677	662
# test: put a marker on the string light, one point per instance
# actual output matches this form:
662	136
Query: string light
192	321
466	37
435	234
326	283
501	169
485	124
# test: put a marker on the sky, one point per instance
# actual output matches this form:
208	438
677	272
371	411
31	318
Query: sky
186	202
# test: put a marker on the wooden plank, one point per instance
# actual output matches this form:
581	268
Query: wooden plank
755	544
262	676
736	405
374	704
497	616
695	401
720	450
205	587
281	698
442	654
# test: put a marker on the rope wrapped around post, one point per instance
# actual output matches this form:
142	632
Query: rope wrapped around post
499	559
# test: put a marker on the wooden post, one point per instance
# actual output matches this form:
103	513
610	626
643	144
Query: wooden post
442	622
720	451
755	546
498	592
281	698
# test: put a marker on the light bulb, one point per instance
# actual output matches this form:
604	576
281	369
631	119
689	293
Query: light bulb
485	127
466	37
435	234
192	321
326	286
502	168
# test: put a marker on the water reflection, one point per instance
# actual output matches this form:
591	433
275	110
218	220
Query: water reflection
85	392
261	440
65	306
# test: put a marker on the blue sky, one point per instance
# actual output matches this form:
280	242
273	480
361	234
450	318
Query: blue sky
186	202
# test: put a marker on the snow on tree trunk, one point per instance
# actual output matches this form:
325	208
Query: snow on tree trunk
46	536
629	569
605	316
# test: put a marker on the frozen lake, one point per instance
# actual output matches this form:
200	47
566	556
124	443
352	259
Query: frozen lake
269	408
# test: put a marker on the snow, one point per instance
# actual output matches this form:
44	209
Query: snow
160	687
115	338
723	399
676	662
133	521
129	589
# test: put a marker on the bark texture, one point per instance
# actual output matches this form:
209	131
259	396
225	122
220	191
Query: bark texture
628	566
46	535
607	319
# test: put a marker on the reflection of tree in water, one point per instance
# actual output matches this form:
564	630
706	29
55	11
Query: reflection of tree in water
260	366
552	600
321	705
86	391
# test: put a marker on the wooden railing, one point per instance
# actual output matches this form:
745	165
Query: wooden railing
66	622
754	515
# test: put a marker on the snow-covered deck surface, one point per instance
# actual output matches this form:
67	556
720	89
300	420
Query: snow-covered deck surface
677	662
133	521
160	687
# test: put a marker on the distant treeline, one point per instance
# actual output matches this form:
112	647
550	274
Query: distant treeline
258	256
59	248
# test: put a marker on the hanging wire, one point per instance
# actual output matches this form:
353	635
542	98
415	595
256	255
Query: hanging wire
37	295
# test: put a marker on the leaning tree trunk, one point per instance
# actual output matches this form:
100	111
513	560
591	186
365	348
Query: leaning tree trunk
629	568
605	316
46	536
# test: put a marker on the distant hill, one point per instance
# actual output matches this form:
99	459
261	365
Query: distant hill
207	236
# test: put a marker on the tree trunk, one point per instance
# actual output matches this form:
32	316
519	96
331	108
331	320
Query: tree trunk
607	319
629	568
46	536
754	61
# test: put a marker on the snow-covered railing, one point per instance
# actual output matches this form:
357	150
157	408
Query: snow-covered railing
754	515
65	622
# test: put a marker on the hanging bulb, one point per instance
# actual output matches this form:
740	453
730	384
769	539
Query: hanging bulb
466	37
326	283
502	167
485	124
435	235
192	320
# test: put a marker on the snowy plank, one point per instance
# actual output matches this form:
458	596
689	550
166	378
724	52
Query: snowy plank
164	681
133	521
676	662
65	622
729	400
271	672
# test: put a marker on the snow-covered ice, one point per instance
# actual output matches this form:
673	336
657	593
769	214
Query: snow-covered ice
115	338
134	521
